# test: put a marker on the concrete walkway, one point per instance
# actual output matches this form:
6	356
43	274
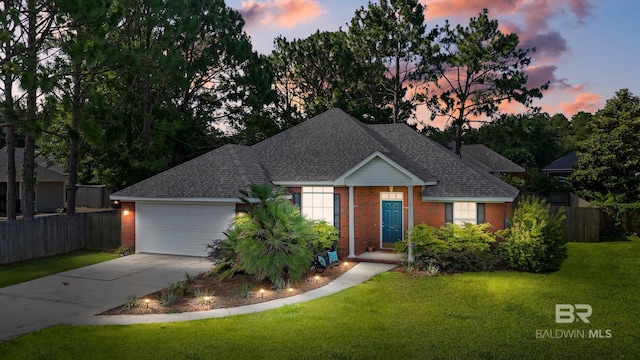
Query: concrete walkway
74	297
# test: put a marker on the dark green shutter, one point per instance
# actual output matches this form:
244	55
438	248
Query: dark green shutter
336	211
448	212
297	200
480	214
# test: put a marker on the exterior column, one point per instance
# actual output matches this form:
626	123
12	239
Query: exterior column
410	222
352	230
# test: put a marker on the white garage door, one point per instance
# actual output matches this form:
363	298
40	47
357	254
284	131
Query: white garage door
180	229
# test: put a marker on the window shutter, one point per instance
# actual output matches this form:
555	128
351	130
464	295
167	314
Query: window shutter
336	211
448	212
296	200
480	214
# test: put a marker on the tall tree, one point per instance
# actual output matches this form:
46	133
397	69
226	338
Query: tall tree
11	51
36	24
180	67
478	67
391	35
318	73
608	160
82	31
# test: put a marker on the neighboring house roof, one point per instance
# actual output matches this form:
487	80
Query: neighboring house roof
486	159
42	174
322	150
45	163
565	163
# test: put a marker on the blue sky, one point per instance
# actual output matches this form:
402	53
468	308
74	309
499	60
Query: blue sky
588	49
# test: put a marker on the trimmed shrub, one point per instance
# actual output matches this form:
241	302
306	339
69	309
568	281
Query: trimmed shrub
326	237
452	247
534	241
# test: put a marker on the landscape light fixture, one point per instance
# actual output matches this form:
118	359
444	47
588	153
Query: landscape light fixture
146	301
262	293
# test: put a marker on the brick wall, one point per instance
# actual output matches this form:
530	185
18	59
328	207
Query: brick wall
128	224
343	242
367	215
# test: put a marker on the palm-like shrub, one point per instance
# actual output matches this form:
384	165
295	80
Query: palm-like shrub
271	240
534	240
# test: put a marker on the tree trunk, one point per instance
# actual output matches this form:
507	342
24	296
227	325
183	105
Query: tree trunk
28	167
396	89
74	137
10	137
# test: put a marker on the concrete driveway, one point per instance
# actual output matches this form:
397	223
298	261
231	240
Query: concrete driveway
74	296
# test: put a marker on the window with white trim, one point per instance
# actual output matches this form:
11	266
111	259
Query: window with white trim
317	203
464	212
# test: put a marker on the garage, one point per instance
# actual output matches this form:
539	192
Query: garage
180	229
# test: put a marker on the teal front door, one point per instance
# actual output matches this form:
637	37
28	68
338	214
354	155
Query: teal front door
391	223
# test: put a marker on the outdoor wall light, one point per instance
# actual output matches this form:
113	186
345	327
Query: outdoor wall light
126	211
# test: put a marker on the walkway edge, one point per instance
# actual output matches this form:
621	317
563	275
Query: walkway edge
360	273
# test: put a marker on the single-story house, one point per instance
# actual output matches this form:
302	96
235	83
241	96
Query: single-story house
372	182
50	187
562	167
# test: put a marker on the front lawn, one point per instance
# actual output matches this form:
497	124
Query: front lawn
19	272
397	316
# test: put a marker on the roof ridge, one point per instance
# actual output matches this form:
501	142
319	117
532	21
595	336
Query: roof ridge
240	167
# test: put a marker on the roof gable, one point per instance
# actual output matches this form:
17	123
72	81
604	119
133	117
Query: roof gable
378	170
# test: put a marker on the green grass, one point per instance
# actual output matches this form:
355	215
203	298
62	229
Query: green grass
19	272
396	316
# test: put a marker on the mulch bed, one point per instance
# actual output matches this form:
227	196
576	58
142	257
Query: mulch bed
227	293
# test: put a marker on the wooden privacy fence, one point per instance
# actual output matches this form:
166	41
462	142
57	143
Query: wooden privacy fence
25	239
582	224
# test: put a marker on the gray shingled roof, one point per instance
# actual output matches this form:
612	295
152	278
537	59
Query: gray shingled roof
217	174
42	174
320	149
565	163
488	159
455	177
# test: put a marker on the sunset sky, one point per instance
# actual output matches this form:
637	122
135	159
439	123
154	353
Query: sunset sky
588	49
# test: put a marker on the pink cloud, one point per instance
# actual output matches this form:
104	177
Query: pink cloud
588	102
468	8
280	13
